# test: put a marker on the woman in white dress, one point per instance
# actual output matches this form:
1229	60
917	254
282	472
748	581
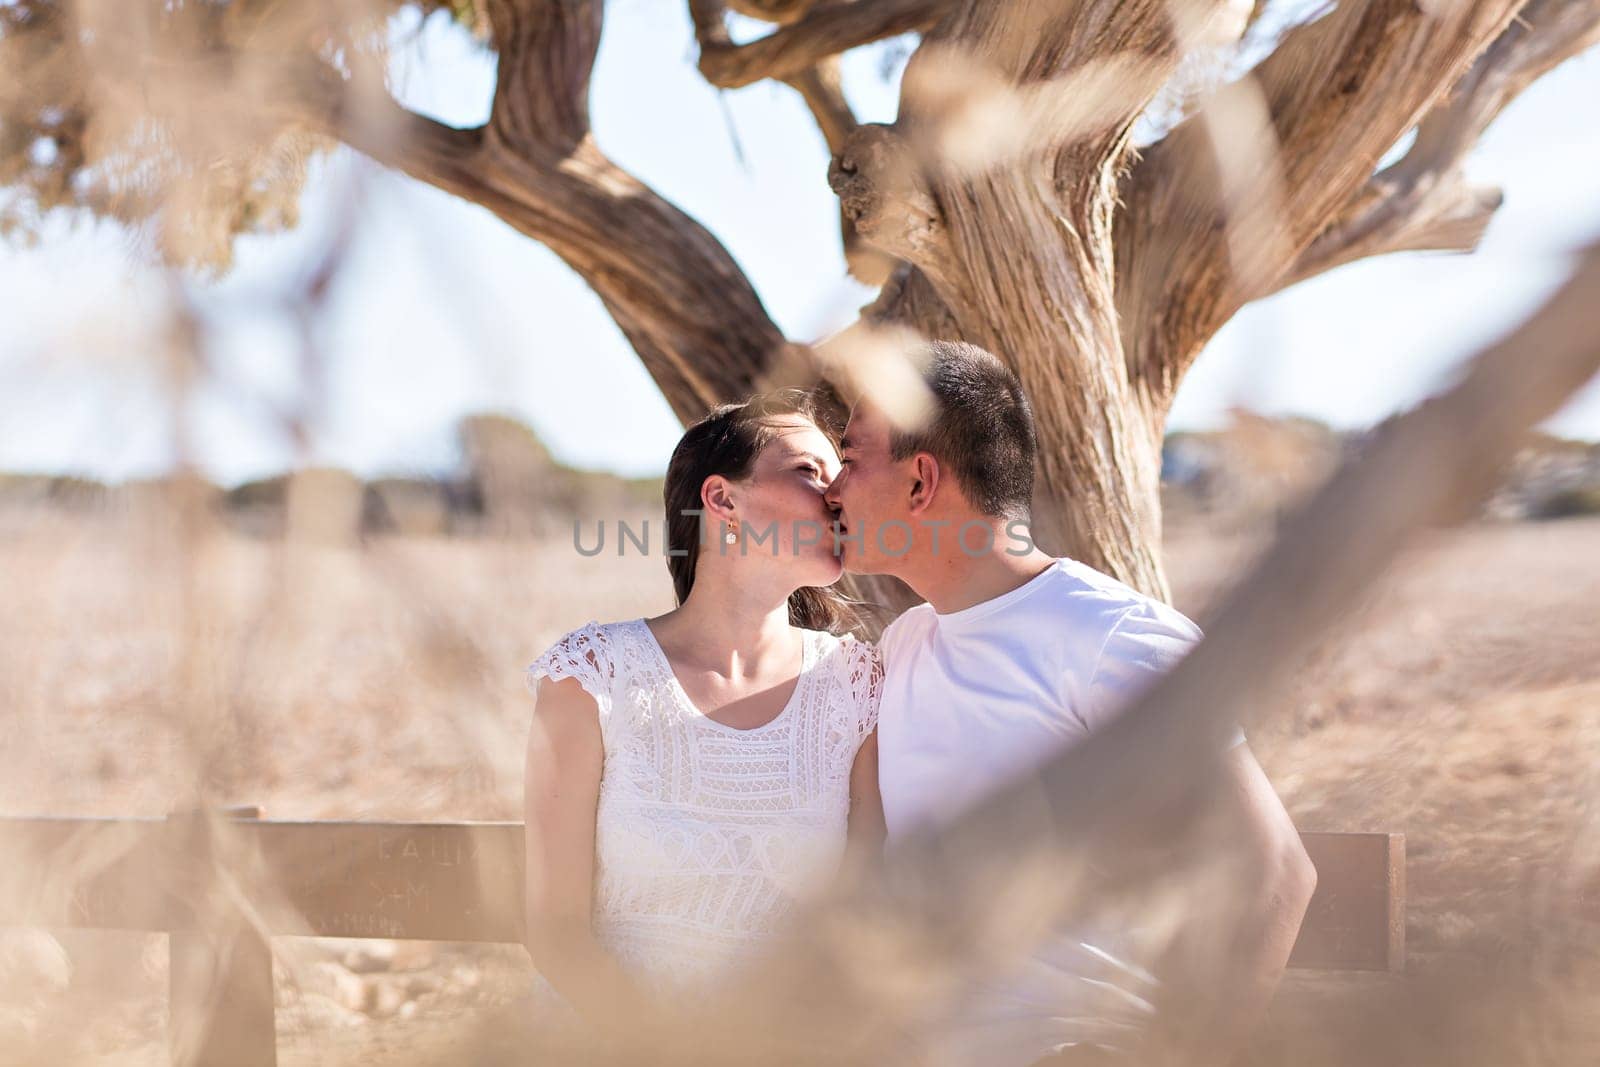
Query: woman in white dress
691	776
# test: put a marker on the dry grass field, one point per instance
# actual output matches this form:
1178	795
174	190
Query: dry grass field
139	663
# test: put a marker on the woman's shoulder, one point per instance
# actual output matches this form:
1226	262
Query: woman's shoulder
853	661
591	653
847	644
595	632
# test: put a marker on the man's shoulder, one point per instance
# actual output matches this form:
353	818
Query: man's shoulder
1082	594
1084	611
1114	640
914	618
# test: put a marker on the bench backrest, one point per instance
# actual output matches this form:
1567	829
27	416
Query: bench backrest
439	882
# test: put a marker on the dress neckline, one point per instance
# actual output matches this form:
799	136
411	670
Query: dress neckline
681	695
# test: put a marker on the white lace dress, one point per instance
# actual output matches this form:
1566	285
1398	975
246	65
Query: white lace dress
707	835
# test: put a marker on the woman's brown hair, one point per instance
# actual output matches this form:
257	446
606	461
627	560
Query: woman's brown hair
727	442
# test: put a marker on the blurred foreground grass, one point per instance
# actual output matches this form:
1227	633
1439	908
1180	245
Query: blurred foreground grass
141	661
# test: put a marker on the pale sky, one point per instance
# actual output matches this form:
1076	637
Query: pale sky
443	310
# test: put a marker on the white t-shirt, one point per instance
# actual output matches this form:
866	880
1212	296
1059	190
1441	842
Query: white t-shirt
974	698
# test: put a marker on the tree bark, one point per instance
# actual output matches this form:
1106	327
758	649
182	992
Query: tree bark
1015	242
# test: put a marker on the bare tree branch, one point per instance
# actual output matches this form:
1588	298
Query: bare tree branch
783	11
823	93
1335	95
821	88
1422	202
678	296
547	50
374	124
825	30
1545	34
1441	214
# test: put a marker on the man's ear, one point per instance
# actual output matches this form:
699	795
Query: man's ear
925	471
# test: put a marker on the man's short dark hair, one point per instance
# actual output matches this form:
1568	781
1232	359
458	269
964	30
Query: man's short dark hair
982	428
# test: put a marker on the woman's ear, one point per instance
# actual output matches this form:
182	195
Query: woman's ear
925	470
716	498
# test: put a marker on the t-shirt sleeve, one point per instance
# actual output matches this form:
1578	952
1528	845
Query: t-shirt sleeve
1146	641
584	654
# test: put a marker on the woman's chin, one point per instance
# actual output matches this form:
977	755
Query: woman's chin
825	572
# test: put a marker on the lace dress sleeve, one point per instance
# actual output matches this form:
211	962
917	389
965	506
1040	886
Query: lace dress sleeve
584	654
864	672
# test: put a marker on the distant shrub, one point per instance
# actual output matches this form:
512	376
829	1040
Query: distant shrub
1569	503
270	492
71	490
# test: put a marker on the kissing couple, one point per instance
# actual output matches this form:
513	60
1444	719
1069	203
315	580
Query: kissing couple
691	777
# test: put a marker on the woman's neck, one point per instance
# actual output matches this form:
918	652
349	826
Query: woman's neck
729	627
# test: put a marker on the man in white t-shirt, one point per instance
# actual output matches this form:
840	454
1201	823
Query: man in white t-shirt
1015	656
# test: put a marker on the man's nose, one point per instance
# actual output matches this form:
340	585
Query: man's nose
830	495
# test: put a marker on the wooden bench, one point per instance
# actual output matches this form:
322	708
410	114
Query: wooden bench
433	882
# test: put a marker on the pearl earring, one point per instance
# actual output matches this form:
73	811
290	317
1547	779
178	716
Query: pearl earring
730	537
